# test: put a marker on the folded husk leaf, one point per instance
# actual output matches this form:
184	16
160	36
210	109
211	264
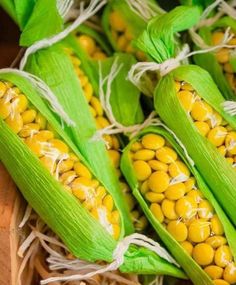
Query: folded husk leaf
209	62
55	68
193	270
9	7
80	232
217	172
135	23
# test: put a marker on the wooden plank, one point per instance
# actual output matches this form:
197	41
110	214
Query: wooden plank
12	208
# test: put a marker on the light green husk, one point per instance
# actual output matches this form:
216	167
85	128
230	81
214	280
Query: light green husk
213	167
135	23
80	232
209	62
192	269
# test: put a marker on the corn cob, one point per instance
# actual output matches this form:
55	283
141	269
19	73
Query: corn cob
176	201
57	157
112	141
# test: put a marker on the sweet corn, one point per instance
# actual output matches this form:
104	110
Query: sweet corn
181	207
55	155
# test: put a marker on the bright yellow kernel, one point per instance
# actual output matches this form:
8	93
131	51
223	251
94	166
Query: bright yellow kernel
186	207
166	154
87	43
88	91
217	135
99	55
41	120
186	99
197	196
103	122
19	103
198	231
168	209
158	181
230	142
95	103
222	55
216	241
59	145
223	256
157	212
217	38
44	135
205	209
216	226
203	254
28	116
202	127
222	150
189	184
154	197
136	146
144	187
116	21
67	177
49	163
178	230
3	88
29	130
65	165
108	202
144	154
82	170
115	157
142	170
201	111
15	123
187	246
215	272
115	231
5	109
220	282
178	168
177	86
230	273
153	141
158	165
175	191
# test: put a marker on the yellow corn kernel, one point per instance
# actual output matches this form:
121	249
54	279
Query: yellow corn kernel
115	217
99	55
152	141
35	145
3	89
187	246
100	192
168	209
157	165
177	86
142	170
205	210
201	111
198	231
95	103
232	41
136	146
65	165
220	282
186	207
215	272
67	177
230	273
41	121
222	55
82	170
157	212
186	86
175	191
102	122
28	116
144	154
217	135
83	80
44	135
19	103
197	196
217	38
29	130
49	163
216	226
186	99
158	181
178	168
216	241
144	187
230	142
87	43
223	256
166	155
15	123
75	60
122	43
116	21
189	184
202	127
215	120
178	230
115	231
115	157
203	254
59	145
5	109
108	202
115	143
88	91
84	184
222	150
154	197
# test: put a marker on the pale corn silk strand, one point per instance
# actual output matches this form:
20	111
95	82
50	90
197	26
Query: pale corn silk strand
144	9
84	14
44	91
63	7
118	257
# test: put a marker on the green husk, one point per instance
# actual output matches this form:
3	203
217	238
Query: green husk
80	232
135	23
209	62
55	68
214	168
9	7
192	269
202	3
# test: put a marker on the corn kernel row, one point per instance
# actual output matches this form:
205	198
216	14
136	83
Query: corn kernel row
55	155
223	57
112	143
173	196
122	35
209	122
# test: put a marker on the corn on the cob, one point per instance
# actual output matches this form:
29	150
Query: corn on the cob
176	198
112	141
57	157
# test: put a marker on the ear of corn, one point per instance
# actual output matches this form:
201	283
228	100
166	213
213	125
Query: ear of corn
53	199
177	224
202	147
221	63
35	29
